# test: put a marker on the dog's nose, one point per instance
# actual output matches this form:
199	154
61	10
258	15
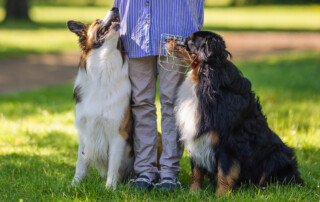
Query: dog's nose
167	40
115	9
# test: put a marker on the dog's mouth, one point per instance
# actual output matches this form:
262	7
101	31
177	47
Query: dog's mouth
179	49
114	23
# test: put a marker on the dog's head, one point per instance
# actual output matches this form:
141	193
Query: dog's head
99	32
208	46
200	47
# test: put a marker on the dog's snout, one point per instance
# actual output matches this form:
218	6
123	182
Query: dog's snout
167	40
115	9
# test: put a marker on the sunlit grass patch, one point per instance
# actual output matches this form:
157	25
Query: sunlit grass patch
266	18
275	17
22	42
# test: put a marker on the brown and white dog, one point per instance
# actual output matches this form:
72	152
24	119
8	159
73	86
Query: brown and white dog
102	92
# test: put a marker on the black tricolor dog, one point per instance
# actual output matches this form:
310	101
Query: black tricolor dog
222	124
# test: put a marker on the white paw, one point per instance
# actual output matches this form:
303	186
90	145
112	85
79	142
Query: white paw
75	181
111	185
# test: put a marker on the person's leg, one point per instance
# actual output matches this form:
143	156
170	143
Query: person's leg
143	77
172	148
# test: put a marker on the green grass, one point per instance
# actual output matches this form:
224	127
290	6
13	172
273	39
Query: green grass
48	32
263	18
38	141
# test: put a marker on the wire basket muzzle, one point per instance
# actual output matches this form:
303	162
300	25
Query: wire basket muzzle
174	56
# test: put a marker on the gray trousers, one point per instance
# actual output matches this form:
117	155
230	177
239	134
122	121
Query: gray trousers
143	76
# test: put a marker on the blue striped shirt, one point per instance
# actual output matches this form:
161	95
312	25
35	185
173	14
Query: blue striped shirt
143	22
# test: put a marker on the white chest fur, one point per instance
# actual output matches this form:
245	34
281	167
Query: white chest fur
187	119
105	95
105	87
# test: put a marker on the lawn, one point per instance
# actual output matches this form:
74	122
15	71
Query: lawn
38	141
48	32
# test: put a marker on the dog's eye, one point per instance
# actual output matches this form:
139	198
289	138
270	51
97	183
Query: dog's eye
97	23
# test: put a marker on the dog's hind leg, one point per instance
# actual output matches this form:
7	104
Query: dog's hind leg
82	166
197	177
116	150
228	174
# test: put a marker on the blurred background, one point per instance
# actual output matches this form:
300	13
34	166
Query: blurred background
35	32
275	43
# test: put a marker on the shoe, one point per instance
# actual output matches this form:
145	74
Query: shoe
169	184
142	182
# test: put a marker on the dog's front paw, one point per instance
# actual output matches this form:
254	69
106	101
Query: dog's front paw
195	188
111	185
75	181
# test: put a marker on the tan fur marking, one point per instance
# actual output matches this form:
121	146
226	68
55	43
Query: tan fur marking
126	124
214	138
197	179
83	62
262	180
227	182
85	49
195	74
233	174
92	33
222	183
86	41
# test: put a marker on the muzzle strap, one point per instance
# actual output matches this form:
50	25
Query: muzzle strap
195	63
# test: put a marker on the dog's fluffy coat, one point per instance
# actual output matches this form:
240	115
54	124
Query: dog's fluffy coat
222	124
102	91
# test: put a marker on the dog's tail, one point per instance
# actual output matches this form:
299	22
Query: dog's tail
282	166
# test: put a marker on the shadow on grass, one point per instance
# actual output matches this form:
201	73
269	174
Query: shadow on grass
31	25
16	52
57	141
296	75
56	99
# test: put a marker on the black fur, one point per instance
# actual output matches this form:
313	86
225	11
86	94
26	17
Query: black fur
228	106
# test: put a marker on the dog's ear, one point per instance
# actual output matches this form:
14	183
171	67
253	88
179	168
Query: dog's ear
77	27
204	52
213	48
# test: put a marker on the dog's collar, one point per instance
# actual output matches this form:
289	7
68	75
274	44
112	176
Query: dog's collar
195	63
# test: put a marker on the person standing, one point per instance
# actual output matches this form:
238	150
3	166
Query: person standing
142	23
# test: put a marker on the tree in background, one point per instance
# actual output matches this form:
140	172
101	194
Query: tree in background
17	9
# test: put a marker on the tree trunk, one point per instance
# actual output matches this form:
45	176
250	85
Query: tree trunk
17	9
